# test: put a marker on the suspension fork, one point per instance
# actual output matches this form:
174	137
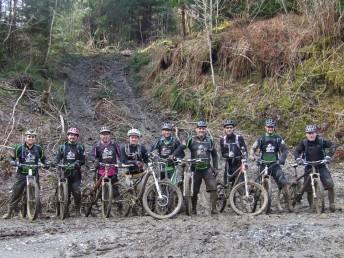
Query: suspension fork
156	183
312	182
245	180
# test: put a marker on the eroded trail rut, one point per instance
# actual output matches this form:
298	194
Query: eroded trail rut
284	234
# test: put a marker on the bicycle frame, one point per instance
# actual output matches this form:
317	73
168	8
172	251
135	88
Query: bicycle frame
313	174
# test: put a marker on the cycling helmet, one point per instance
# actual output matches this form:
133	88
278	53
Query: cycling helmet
134	132
201	123
310	128
229	122
31	132
166	126
73	130
270	122
104	129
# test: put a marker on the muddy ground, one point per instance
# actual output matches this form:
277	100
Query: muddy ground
281	234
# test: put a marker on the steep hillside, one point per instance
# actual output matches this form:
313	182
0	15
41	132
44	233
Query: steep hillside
279	67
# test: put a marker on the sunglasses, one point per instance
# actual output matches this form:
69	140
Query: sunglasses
229	127
310	133
31	136
270	126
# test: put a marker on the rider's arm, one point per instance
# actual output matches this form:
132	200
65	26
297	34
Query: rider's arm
92	155
330	148
242	145
215	158
179	149
42	156
59	155
299	150
82	155
283	149
155	146
224	150
144	154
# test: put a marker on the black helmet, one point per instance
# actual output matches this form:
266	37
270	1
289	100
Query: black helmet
202	123
166	126
104	129
229	122
270	122
310	128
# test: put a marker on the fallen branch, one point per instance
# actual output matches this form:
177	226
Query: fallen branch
12	117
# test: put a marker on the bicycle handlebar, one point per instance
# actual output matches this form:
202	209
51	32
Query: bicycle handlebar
117	165
30	165
192	161
312	163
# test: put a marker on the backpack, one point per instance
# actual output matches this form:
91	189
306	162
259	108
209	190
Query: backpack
321	140
236	140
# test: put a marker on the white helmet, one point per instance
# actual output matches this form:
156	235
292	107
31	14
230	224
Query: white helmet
134	132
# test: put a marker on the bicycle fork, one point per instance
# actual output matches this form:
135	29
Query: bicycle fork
157	185
313	176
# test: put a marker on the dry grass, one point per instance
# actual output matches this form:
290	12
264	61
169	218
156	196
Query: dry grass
267	47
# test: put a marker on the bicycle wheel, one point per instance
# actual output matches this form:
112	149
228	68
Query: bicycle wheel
318	200
221	197
267	187
22	206
122	200
32	200
106	199
165	207
294	190
187	197
63	200
254	203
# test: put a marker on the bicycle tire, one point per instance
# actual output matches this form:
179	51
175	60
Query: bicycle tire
319	199
122	200
22	207
63	200
267	186
294	190
221	197
169	192
257	193
32	200
188	197
106	199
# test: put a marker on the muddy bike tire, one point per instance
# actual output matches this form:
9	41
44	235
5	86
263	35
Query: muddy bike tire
257	194
188	197
319	200
22	207
106	199
221	197
32	200
267	186
122	200
172	200
63	200
295	190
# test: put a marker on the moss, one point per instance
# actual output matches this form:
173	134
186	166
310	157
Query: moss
139	60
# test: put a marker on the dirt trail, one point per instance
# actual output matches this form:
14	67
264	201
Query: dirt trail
283	234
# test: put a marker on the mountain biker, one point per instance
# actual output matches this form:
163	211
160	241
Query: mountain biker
315	148
232	148
134	153
72	153
28	153
106	150
168	147
202	146
273	149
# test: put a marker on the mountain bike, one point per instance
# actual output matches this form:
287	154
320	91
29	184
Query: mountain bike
62	192
188	181
245	197
264	178
30	201
103	190
160	199
316	185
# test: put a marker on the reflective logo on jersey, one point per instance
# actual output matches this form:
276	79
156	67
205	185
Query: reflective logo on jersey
70	155
30	158
202	151
165	151
270	148
107	154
